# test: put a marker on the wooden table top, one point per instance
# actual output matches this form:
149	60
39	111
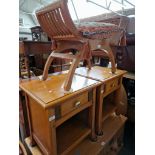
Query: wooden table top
98	73
50	92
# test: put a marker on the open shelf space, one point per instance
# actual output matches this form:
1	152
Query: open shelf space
70	134
87	147
108	109
110	127
109	106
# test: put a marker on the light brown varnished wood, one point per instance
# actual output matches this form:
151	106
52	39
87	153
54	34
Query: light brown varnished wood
50	108
50	92
99	73
72	113
74	131
110	83
41	131
56	21
111	128
98	113
35	149
129	75
91	115
22	147
74	103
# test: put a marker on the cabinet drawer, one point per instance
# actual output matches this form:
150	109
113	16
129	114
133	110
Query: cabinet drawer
74	103
112	85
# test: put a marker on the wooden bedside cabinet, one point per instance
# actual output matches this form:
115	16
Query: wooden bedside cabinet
60	120
108	93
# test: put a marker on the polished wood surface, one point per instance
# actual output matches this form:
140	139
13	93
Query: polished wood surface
56	21
99	73
50	108
76	130
129	75
110	83
22	148
111	126
35	149
50	91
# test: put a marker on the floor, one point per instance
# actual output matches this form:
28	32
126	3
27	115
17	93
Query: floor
129	140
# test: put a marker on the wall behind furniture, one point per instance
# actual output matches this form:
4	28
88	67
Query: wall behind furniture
24	28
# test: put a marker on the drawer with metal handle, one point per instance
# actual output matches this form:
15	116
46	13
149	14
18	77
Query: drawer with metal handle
74	103
112	85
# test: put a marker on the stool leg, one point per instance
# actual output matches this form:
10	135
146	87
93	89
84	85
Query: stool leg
111	58
68	81
89	63
46	68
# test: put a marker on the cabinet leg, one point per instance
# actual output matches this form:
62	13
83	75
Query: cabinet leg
32	142
99	109
91	119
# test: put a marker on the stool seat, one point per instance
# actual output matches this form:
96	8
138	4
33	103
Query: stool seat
98	30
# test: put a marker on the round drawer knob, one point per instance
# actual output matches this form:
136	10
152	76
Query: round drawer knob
77	104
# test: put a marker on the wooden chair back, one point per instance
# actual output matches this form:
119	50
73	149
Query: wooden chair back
56	21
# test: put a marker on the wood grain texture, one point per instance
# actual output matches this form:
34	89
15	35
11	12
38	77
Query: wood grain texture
111	128
56	21
42	90
99	73
48	122
111	83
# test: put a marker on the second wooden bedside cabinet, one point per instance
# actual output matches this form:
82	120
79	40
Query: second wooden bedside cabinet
108	93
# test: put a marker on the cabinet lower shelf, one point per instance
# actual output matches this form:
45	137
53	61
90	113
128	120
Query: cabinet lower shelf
70	134
110	127
108	109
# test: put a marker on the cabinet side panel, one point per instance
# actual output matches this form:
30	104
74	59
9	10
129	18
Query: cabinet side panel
40	126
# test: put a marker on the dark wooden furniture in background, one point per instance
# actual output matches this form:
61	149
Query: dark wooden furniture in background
35	54
27	48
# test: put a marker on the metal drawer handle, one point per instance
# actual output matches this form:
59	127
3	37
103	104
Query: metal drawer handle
77	104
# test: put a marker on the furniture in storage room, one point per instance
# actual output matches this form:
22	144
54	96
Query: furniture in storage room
108	94
55	20
108	144
33	55
60	120
105	145
108	97
125	55
121	22
28	48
